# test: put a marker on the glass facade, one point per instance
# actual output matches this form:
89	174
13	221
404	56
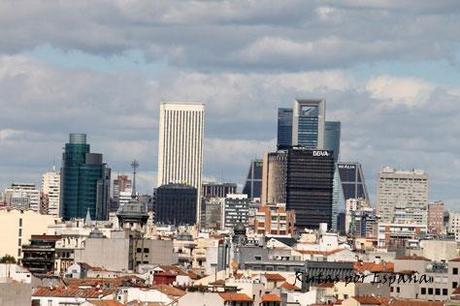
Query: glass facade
284	128
352	181
309	187
175	204
253	185
308	124
85	181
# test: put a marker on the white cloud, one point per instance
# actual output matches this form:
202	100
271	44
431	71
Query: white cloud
397	90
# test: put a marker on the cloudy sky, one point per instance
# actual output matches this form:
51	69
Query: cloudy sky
389	71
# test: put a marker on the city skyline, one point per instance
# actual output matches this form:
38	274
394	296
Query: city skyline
396	98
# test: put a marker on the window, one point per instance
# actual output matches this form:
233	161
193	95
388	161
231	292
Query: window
455	271
391	289
20	221
437	291
20	232
430	291
146	250
19	242
398	290
454	285
444	291
422	291
138	250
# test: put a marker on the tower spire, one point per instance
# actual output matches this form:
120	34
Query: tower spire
134	165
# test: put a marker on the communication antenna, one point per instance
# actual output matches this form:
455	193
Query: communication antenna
134	165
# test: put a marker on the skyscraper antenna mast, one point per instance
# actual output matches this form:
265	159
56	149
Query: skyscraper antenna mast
134	165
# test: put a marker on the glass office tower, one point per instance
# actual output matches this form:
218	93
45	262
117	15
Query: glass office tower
85	181
284	128
308	123
332	143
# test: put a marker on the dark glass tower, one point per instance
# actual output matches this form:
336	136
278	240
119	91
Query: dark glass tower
175	204
253	185
284	128
332	138
309	186
85	181
332	143
352	180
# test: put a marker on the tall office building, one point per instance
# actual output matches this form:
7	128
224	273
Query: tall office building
308	123
51	189
402	196
309	186
180	148
85	181
352	180
332	143
253	185
332	138
274	177
284	139
23	196
303	179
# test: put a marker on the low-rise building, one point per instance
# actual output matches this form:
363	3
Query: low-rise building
274	220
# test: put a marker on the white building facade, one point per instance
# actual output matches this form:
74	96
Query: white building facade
180	147
402	196
23	196
51	187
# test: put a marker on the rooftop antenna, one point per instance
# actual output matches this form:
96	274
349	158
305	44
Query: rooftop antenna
134	165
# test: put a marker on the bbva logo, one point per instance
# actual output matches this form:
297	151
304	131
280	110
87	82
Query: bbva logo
320	153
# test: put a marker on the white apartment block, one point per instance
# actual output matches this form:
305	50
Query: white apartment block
51	187
454	225
402	196
180	147
23	196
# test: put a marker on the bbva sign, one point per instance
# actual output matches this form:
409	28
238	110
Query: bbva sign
320	153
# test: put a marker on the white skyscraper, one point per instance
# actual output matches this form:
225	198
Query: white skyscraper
180	146
402	196
51	187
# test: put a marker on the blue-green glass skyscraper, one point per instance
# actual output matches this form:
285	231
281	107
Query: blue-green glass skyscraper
85	181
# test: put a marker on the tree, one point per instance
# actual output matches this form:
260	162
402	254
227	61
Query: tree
8	259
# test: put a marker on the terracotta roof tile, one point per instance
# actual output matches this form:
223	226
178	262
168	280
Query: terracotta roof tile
413	257
274	277
169	290
236	297
373	267
368	300
271	298
72	292
289	286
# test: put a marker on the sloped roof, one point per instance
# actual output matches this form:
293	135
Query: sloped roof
373	267
274	277
413	257
72	292
286	240
369	300
234	296
289	286
270	297
169	290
